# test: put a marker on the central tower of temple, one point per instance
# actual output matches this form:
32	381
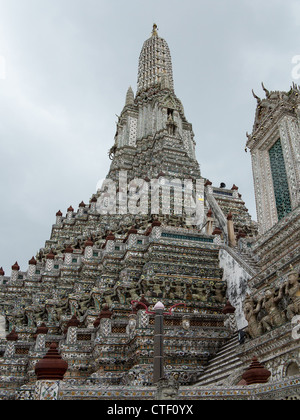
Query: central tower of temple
153	136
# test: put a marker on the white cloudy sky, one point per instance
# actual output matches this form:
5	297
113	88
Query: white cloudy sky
68	66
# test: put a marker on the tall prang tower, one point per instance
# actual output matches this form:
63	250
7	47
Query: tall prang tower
153	135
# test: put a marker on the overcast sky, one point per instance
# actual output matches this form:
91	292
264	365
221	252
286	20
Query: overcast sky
68	65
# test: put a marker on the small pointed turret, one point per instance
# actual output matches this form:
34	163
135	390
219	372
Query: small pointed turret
154	30
52	367
129	97
256	373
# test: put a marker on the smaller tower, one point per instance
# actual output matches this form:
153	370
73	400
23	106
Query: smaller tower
275	150
15	269
129	97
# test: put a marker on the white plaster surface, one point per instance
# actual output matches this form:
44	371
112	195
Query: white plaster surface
237	284
2	327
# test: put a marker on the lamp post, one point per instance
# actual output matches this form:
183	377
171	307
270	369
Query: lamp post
158	362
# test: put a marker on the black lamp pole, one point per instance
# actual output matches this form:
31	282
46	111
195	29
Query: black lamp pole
158	365
158	362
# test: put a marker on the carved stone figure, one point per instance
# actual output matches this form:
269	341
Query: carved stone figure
17	319
178	292
84	304
108	297
157	290
275	317
167	289
97	296
40	314
167	389
219	295
292	289
121	296
200	293
133	294
60	309
251	311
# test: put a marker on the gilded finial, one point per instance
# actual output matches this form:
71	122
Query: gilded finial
154	31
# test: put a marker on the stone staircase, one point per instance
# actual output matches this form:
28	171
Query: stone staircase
248	259
243	258
222	365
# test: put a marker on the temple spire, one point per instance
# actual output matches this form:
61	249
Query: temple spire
129	97
154	30
155	63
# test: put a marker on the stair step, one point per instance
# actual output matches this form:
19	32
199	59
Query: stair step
229	346
214	377
222	367
222	359
223	364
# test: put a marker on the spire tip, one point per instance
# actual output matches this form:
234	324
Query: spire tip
154	31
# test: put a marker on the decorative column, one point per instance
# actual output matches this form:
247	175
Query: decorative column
110	242
218	236
81	208
235	191
50	372
70	212
143	319
104	321
156	230
230	320
88	251
15	272
240	235
210	221
50	261
68	255
93	204
11	338
142	315
31	267
105	326
59	218
230	229
132	237
40	337
2	274
208	185
71	330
